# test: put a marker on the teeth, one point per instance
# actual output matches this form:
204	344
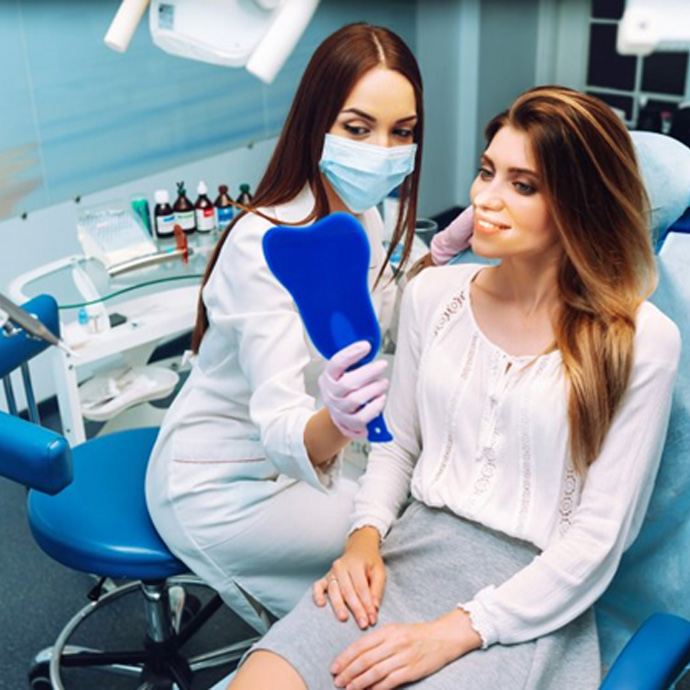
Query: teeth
487	226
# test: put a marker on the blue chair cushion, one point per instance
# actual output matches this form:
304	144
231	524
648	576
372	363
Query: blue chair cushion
99	523
34	456
654	657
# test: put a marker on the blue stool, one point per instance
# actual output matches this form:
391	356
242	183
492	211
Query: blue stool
87	510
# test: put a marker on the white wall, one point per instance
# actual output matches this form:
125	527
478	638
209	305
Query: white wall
476	57
448	54
562	43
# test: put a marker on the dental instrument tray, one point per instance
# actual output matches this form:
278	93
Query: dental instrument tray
110	233
325	268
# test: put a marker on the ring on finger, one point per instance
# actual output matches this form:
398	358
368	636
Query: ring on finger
331	578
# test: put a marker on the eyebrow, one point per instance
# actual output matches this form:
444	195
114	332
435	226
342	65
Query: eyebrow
519	171
370	118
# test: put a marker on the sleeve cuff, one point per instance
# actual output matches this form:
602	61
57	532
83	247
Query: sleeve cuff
381	526
481	622
293	459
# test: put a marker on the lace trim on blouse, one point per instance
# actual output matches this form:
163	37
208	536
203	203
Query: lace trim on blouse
570	492
451	309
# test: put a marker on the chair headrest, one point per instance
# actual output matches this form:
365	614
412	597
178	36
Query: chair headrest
665	166
20	347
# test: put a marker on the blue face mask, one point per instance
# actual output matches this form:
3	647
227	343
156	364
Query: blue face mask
361	174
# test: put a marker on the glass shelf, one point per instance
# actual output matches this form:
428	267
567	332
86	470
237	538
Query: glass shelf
60	280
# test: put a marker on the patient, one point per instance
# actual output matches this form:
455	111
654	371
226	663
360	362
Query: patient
529	405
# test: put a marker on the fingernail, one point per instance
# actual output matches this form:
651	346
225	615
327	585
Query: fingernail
362	622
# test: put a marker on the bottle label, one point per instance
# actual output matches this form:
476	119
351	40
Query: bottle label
186	220
205	219
225	214
165	225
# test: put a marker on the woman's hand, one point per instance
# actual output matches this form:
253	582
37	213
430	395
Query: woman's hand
353	398
453	239
398	654
355	580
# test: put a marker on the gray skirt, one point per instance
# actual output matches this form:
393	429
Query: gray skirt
434	560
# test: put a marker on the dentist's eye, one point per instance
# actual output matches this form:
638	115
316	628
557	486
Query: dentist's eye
403	133
484	173
355	130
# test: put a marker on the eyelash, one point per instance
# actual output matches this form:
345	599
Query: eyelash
356	131
524	188
363	131
520	187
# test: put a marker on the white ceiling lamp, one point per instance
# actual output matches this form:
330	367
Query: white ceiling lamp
649	25
257	34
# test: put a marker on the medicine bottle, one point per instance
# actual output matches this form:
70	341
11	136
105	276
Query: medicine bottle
245	197
205	214
224	209
163	215
185	216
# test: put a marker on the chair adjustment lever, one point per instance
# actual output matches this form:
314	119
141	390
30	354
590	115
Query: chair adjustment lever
96	592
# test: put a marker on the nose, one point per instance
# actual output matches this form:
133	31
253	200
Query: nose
487	195
381	138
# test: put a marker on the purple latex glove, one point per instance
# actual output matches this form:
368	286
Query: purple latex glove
353	398
453	239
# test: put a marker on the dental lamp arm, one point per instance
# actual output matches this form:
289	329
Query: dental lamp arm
124	24
292	17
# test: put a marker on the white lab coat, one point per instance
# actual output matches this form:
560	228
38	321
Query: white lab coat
229	486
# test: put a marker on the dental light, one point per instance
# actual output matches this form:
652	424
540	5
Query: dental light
257	34
650	25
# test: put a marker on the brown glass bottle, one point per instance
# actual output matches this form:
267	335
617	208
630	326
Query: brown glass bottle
224	207
185	216
245	196
163	216
205	213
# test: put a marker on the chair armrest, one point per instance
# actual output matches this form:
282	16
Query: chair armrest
653	657
34	456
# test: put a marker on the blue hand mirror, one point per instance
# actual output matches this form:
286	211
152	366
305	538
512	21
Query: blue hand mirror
324	267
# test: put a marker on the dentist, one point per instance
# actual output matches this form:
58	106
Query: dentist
243	484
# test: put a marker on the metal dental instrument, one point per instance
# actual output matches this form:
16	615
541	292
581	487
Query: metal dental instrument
20	317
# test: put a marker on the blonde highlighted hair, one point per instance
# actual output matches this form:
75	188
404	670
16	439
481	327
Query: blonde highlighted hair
586	161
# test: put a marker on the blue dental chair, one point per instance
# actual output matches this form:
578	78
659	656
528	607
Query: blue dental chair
86	509
654	573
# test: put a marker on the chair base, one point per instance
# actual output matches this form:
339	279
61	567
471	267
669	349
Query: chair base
158	664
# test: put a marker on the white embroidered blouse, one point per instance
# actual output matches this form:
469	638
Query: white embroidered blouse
484	434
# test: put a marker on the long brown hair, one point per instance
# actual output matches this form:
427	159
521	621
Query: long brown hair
586	161
330	76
